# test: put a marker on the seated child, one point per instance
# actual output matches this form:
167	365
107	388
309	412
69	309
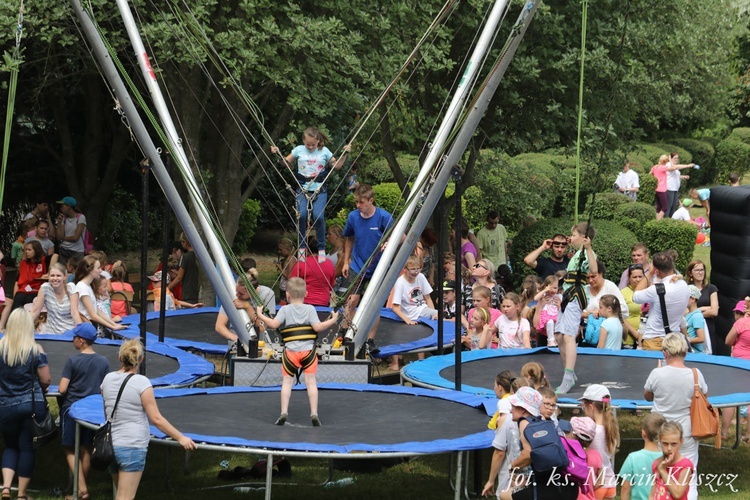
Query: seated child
449	300
118	284
610	331
411	294
513	331
480	326
535	373
672	471
299	326
635	472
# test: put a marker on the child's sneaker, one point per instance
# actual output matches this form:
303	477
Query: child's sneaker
281	420
321	256
551	342
315	419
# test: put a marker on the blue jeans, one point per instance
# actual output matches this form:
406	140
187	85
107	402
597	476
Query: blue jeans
318	215
15	422
128	459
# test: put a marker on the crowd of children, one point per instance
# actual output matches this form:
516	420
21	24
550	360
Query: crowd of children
524	464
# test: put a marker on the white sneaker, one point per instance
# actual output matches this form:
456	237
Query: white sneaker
551	342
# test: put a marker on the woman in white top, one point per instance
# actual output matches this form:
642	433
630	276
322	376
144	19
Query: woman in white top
84	298
671	389
55	296
130	429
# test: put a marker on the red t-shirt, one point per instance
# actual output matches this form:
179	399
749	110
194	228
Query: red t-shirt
118	306
319	278
28	272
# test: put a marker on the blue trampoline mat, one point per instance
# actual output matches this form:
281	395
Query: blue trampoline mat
356	418
165	365
624	372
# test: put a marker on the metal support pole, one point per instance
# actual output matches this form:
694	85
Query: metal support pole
145	172
456	173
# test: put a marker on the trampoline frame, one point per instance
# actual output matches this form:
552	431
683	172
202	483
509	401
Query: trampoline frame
270	453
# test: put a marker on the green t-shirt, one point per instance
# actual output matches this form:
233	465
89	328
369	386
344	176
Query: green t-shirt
637	471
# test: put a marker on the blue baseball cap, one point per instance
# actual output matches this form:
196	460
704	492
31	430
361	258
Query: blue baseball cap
84	330
68	200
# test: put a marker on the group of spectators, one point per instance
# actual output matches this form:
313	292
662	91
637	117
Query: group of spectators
522	464
669	177
24	378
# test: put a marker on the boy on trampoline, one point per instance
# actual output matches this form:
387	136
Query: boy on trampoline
299	326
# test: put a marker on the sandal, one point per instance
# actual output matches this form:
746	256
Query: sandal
6	493
82	495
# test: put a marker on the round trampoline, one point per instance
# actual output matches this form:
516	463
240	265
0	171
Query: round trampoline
623	372
193	329
165	366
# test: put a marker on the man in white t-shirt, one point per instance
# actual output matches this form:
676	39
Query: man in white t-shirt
676	298
627	182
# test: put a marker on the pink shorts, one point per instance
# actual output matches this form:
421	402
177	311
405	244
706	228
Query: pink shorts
2	294
296	359
544	318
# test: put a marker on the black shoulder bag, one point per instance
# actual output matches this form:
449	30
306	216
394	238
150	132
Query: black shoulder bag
103	453
44	430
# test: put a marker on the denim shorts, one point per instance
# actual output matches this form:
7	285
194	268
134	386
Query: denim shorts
129	459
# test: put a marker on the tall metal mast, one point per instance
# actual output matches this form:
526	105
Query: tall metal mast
166	120
160	172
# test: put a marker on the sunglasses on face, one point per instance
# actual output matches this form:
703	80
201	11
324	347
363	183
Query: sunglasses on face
479	265
559	244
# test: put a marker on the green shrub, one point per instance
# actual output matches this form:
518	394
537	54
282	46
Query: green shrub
612	244
606	205
704	154
731	156
378	171
389	197
517	189
741	134
247	225
634	215
661	235
647	189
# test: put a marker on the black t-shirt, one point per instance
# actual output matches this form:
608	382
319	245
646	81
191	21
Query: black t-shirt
190	284
547	267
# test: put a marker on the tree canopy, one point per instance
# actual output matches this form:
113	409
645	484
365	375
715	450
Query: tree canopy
325	63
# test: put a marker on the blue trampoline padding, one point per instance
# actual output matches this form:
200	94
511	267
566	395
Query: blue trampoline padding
449	336
133	331
428	371
191	367
91	410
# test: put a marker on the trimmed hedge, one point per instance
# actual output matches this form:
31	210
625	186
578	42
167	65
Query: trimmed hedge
731	156
378	171
661	235
606	205
612	244
741	134
634	216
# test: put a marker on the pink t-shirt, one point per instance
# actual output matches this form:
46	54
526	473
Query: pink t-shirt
741	347
594	462
660	172
494	315
661	492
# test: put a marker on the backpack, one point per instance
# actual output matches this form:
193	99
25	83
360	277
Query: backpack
547	451
88	238
578	468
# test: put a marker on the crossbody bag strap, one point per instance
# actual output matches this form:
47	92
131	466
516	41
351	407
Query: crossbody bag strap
661	291
33	377
119	394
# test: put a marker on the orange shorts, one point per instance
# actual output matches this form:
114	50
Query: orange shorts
296	359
